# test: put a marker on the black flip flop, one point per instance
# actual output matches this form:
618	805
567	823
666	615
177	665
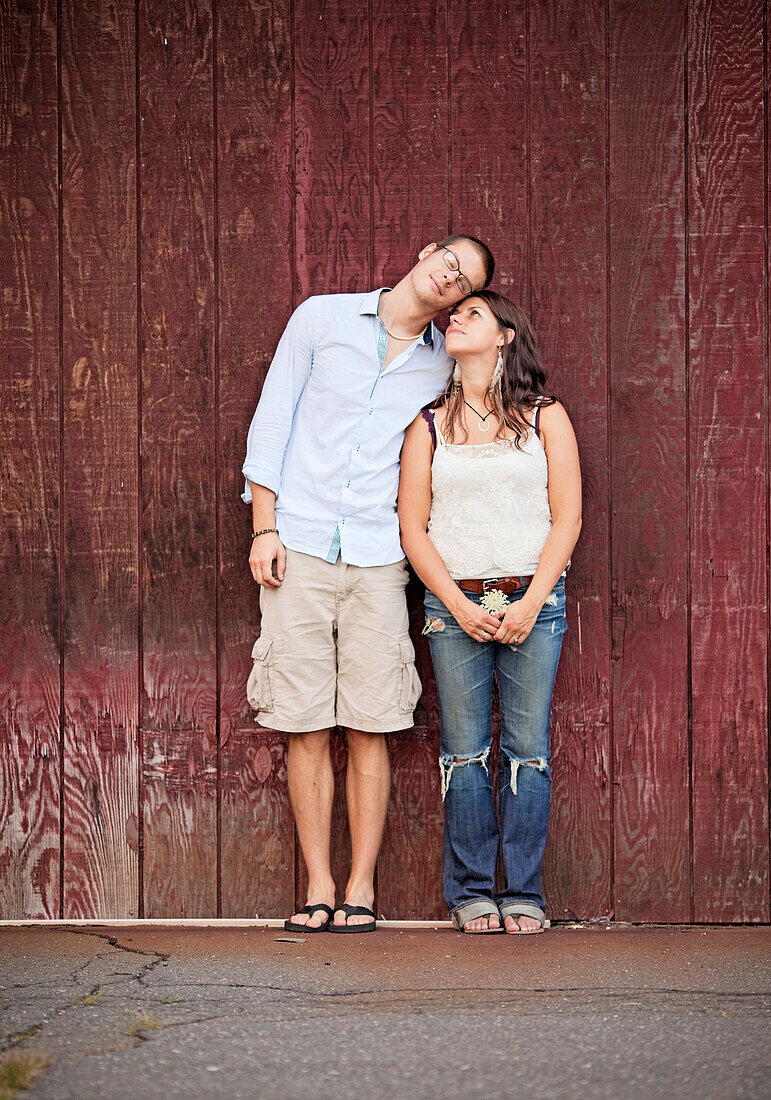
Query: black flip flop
293	926
354	911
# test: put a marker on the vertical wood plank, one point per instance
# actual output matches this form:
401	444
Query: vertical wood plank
254	141
409	133
488	166
409	202
332	134
258	849
179	702
648	462
409	877
29	464
100	459
568	294
729	626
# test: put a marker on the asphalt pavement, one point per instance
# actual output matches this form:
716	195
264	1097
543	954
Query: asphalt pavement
607	1011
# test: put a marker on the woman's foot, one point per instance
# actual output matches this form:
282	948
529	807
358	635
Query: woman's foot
518	925
488	923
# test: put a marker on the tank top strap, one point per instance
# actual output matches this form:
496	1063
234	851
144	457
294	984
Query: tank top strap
428	416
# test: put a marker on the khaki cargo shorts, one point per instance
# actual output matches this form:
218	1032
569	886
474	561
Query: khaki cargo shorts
334	649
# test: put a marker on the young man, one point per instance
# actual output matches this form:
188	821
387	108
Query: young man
350	373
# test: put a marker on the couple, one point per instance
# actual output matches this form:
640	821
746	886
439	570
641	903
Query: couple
489	504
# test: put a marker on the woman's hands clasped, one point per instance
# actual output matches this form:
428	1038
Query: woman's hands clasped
478	623
516	622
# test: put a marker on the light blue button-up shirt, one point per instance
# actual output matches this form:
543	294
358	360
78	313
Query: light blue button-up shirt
327	433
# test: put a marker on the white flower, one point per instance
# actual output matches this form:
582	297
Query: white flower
495	600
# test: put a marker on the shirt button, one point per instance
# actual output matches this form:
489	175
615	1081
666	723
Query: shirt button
347	484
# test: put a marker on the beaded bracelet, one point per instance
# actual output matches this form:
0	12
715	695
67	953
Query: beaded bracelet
265	531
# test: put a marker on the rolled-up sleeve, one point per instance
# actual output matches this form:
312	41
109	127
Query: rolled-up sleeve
272	421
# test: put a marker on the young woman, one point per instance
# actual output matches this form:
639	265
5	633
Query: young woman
490	510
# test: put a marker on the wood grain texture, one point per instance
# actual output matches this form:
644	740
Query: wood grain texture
258	835
180	824
487	136
729	625
568	305
409	133
179	703
332	136
99	493
648	462
29	464
254	140
409	875
409	871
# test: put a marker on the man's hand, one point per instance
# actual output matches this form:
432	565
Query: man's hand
267	549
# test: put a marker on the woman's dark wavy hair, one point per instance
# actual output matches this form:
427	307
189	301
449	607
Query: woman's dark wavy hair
523	383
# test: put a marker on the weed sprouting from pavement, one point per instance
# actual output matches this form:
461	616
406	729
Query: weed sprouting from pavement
18	1070
141	1023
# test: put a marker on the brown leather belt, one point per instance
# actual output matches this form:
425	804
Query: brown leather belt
503	584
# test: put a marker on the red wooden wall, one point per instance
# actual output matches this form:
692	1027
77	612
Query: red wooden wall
175	178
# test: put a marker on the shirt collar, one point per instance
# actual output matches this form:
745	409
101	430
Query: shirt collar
370	303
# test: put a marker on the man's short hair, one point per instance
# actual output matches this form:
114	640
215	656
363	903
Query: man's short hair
488	260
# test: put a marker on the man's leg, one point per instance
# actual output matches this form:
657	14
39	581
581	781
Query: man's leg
377	689
311	789
294	689
367	785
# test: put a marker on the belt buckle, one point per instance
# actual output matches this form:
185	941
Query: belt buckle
493	582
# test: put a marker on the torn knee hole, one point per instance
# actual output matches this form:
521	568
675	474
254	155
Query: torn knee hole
539	764
448	764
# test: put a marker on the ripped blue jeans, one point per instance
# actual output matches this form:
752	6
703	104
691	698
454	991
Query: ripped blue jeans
465	670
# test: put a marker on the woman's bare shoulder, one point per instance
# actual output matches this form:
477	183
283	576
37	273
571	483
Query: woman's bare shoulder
553	415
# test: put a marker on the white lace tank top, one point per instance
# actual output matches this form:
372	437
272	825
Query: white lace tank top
490	514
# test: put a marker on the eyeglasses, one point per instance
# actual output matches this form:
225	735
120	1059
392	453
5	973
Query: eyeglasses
451	260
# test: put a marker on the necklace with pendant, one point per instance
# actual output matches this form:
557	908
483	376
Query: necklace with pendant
483	427
393	334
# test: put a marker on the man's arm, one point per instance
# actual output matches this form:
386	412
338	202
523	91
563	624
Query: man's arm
268	438
267	548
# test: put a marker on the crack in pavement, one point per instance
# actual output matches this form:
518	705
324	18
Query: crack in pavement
14	1039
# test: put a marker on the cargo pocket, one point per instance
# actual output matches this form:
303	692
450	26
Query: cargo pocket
259	688
410	686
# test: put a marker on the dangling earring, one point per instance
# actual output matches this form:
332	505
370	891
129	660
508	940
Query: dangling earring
456	375
498	372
